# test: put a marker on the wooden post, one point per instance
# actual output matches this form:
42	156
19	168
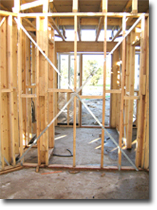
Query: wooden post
134	6
145	149
75	84
1	136
14	68
80	93
75	9
42	89
75	5
51	95
10	80
127	75
104	9
16	6
28	82
140	129
122	94
33	80
37	90
131	90
19	67
113	103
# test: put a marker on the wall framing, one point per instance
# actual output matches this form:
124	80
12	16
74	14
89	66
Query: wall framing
17	87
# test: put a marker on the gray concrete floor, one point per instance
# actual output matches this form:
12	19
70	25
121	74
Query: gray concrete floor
88	148
65	184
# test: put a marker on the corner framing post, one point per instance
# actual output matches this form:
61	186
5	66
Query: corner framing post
75	8
122	94
104	10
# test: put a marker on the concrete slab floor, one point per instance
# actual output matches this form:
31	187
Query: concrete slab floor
67	184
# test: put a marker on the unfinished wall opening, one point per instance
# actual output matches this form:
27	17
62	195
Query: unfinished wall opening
47	101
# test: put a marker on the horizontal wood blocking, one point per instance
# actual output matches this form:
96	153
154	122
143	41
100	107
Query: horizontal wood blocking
83	46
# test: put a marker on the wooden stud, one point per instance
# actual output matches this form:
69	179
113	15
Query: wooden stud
19	67
51	95
75	5
37	91
1	137
16	8
80	93
122	94
28	92
142	97
10	74
15	97
104	8
134	6
115	58
145	149
75	87
131	91
127	83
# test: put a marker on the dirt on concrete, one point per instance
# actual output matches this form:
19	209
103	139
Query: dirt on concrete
62	184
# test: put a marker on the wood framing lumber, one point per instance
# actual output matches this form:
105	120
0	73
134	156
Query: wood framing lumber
75	86
5	13
131	91
57	29
79	14
9	169
104	87
75	5
19	68
32	4
140	125
122	93
127	6
10	77
145	164
51	80
134	6
114	69
99	28
83	46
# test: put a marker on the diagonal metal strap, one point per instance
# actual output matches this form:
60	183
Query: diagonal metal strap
113	140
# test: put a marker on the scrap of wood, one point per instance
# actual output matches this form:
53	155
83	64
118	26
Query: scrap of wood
51	172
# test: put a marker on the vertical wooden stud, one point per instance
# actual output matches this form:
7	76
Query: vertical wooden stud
51	95
10	74
104	8
131	91
75	86
113	104
140	129
19	67
134	6
122	94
